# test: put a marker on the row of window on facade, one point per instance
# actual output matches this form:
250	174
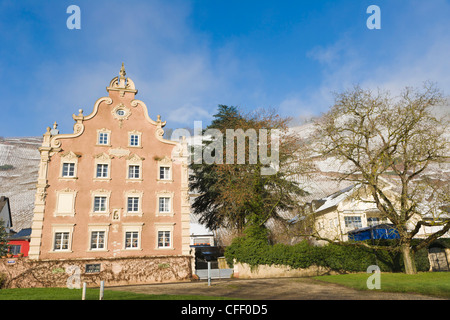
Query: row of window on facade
98	239
102	170
65	204
133	204
351	222
104	138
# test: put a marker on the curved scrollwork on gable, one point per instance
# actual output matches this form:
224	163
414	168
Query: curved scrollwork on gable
78	127
159	133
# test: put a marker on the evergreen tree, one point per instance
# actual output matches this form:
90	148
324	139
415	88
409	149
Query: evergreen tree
236	194
3	242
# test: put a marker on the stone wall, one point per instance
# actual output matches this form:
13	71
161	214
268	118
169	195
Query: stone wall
26	273
245	271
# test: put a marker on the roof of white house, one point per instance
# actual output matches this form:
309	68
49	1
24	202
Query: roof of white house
335	198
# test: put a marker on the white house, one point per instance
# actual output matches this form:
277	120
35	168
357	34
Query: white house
343	211
351	209
5	213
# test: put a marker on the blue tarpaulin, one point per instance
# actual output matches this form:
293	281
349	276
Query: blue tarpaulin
381	231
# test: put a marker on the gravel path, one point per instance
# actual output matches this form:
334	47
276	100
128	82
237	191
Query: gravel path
270	289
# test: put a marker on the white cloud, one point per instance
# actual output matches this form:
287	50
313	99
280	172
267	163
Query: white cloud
177	72
186	115
406	58
331	55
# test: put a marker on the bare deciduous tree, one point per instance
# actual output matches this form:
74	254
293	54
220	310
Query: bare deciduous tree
400	139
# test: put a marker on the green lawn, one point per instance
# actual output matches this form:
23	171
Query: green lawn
426	283
91	294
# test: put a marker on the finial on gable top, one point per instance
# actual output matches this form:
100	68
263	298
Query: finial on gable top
55	130
122	72
122	83
122	78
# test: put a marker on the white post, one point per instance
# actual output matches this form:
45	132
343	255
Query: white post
83	295
209	273
102	288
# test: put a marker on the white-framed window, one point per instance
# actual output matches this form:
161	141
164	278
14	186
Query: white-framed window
103	137
164	170
134	168
164	235
133	204
69	161
164	204
131	240
134	139
132	236
164	173
68	170
164	239
61	241
353	222
98	240
62	237
98	236
134	171
102	170
100	203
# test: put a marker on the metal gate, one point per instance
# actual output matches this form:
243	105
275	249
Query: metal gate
205	255
215	273
218	269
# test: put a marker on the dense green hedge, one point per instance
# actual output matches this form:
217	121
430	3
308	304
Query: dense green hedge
256	251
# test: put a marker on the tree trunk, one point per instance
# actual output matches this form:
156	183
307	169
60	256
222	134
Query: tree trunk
408	259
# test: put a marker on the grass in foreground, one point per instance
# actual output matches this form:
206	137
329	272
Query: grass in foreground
91	294
426	283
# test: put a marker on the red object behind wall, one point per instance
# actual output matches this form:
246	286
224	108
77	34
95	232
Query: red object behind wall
24	246
22	239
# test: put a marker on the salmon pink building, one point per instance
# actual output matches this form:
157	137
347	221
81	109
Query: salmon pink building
114	187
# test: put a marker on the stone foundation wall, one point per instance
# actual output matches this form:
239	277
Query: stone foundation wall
26	273
245	271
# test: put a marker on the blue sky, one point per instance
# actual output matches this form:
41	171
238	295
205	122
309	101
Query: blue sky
186	57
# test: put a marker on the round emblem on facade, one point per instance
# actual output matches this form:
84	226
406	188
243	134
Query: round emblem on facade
121	112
